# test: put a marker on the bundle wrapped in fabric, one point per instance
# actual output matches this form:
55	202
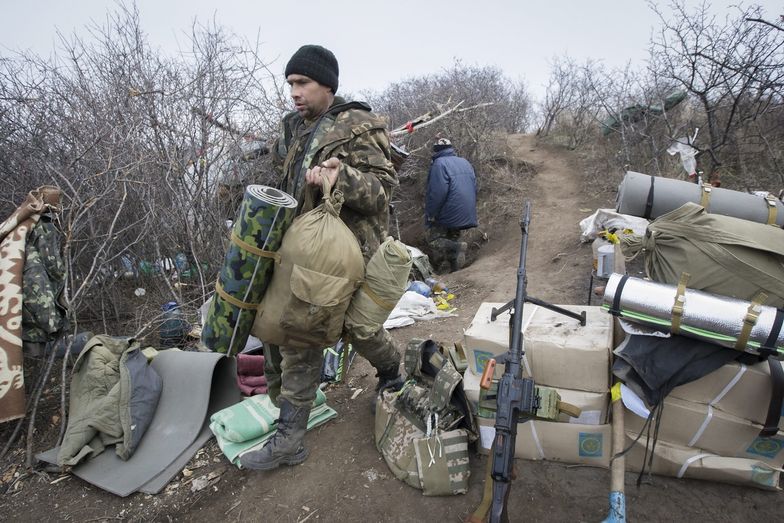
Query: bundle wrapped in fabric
743	325
321	265
722	255
265	214
246	426
386	278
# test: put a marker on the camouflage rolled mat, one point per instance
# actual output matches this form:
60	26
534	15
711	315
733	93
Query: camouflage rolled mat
264	215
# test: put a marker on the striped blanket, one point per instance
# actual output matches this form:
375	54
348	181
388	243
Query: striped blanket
246	426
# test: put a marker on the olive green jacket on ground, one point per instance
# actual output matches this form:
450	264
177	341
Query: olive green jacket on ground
359	139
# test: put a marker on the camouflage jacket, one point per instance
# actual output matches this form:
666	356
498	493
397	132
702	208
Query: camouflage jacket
359	139
44	311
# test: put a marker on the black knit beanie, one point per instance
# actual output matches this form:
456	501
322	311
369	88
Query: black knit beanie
317	63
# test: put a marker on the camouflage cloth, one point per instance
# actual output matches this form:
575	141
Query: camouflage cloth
444	244
14	232
359	139
302	367
416	429
43	312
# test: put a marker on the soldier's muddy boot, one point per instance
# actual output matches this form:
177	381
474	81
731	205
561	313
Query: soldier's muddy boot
388	379
285	447
458	260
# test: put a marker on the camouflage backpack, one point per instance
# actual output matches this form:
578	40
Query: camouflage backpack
421	431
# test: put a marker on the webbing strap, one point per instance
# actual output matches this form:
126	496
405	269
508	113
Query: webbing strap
680	300
480	514
649	201
242	244
378	300
776	378
615	310
752	315
776	399
772	209
705	197
231	299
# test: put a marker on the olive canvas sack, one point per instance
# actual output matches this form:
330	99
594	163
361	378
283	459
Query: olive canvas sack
386	279
320	266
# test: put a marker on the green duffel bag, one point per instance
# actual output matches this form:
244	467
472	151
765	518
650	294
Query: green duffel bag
722	255
320	268
386	279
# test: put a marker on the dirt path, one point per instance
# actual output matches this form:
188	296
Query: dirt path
345	478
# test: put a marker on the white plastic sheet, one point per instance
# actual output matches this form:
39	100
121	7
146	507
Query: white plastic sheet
604	219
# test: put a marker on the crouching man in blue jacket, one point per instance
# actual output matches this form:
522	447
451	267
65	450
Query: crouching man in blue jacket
450	205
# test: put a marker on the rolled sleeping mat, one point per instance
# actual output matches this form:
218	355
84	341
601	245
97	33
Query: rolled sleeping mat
729	322
652	196
264	215
386	279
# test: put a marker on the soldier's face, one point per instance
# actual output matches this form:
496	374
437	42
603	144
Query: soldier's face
311	99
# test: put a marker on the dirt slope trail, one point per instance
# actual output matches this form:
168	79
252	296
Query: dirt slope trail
554	272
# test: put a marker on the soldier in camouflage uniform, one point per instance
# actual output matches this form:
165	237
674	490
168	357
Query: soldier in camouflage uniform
349	145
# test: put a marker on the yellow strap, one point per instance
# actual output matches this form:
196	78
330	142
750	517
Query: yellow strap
772	209
706	194
752	315
615	392
253	249
680	299
378	300
231	299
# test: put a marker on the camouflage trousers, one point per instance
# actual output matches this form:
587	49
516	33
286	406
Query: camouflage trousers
444	246
294	374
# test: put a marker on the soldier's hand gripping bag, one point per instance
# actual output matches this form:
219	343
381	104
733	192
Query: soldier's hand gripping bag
320	267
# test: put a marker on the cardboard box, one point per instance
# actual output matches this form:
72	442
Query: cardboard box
700	426
559	352
553	441
682	462
593	404
740	390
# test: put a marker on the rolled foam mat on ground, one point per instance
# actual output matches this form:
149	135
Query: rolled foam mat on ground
195	385
653	196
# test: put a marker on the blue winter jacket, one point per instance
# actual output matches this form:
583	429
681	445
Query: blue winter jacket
451	192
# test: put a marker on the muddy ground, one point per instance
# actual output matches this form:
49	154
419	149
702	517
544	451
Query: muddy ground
345	479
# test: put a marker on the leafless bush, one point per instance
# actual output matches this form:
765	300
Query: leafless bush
491	105
138	143
731	71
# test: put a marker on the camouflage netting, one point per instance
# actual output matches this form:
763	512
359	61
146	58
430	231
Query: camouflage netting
265	214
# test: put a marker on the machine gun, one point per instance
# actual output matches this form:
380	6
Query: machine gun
517	399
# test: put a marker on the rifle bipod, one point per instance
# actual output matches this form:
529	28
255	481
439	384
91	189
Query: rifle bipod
495	313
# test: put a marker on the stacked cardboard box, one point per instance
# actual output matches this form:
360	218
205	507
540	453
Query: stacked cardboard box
710	429
684	462
559	353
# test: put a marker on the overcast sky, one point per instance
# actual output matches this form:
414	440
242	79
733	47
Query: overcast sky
379	42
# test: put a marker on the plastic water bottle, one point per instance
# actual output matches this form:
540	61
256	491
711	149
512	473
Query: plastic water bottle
420	287
174	327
